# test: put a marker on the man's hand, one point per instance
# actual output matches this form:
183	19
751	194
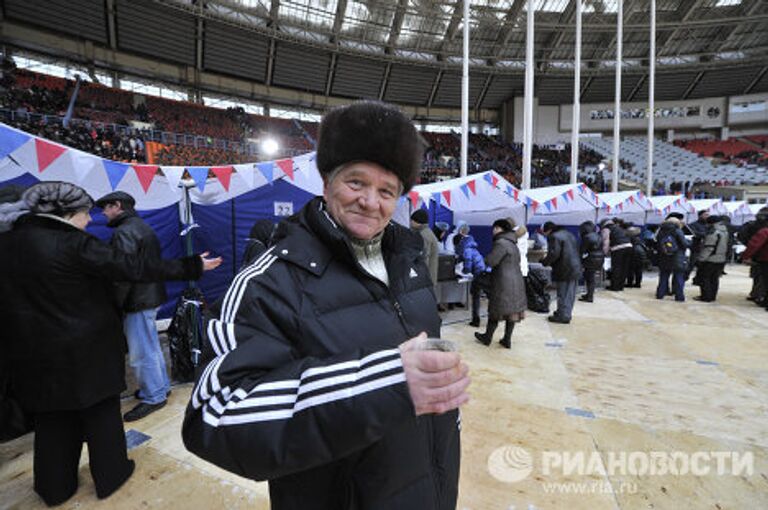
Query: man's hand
209	264
437	381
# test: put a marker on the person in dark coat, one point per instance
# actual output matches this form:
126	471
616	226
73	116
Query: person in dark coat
757	251
672	260
563	257
140	303
617	245
318	380
431	250
638	260
507	299
592	258
63	336
259	239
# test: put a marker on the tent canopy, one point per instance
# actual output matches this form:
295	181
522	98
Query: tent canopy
712	205
566	204
665	204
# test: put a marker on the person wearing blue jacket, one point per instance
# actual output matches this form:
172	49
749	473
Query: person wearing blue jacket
474	264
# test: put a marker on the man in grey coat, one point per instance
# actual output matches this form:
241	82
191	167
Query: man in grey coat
711	258
420	224
563	257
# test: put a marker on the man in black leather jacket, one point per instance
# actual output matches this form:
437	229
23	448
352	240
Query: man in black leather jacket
139	302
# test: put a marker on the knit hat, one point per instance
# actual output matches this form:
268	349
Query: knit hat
58	198
370	131
420	216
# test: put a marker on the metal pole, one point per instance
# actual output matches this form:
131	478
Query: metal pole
575	124
465	93
617	102
651	101
528	100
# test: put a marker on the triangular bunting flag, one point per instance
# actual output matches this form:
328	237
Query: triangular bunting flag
267	170
115	171
631	199
447	196
47	152
286	165
494	180
548	205
516	193
173	176
565	197
10	140
224	174
465	189
570	194
145	173
414	196
534	206
554	202
471	185
488	178
199	174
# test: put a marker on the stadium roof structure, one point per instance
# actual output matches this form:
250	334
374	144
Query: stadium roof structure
409	51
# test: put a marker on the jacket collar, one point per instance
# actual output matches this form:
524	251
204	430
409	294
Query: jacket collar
311	239
118	220
46	221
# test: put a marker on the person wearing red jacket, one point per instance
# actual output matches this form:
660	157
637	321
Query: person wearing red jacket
757	249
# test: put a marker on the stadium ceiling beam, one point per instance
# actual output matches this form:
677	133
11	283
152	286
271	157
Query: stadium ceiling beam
274	12
331	74
756	80
111	30
693	84
507	29
338	20
435	85
556	39
684	13
385	81
483	92
748	9
397	25
450	32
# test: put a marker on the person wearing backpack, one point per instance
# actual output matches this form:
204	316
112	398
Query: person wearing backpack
757	251
711	259
671	245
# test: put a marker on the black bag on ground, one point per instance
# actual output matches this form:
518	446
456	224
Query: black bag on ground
185	335
14	421
536	292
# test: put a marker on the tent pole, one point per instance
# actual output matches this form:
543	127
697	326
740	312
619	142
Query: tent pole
617	99
465	93
576	112
528	98
651	100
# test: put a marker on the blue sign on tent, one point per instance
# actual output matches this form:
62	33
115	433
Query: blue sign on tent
436	198
267	170
10	140
115	171
199	174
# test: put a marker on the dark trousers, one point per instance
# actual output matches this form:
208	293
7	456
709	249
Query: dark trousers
589	283
480	283
709	274
635	275
763	277
620	262
59	437
678	284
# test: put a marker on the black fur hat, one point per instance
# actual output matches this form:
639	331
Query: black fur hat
370	131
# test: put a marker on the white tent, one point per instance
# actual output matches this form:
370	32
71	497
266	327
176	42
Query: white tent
478	199
567	204
711	205
739	212
756	207
629	205
665	204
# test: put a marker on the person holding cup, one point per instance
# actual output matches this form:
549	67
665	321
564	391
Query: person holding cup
318	379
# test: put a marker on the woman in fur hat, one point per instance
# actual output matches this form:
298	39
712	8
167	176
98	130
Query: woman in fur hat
63	335
507	299
318	381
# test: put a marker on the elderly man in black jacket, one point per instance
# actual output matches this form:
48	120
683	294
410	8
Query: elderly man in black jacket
139	303
563	257
319	379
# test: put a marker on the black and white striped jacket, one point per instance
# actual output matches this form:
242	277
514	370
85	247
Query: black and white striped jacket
306	387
